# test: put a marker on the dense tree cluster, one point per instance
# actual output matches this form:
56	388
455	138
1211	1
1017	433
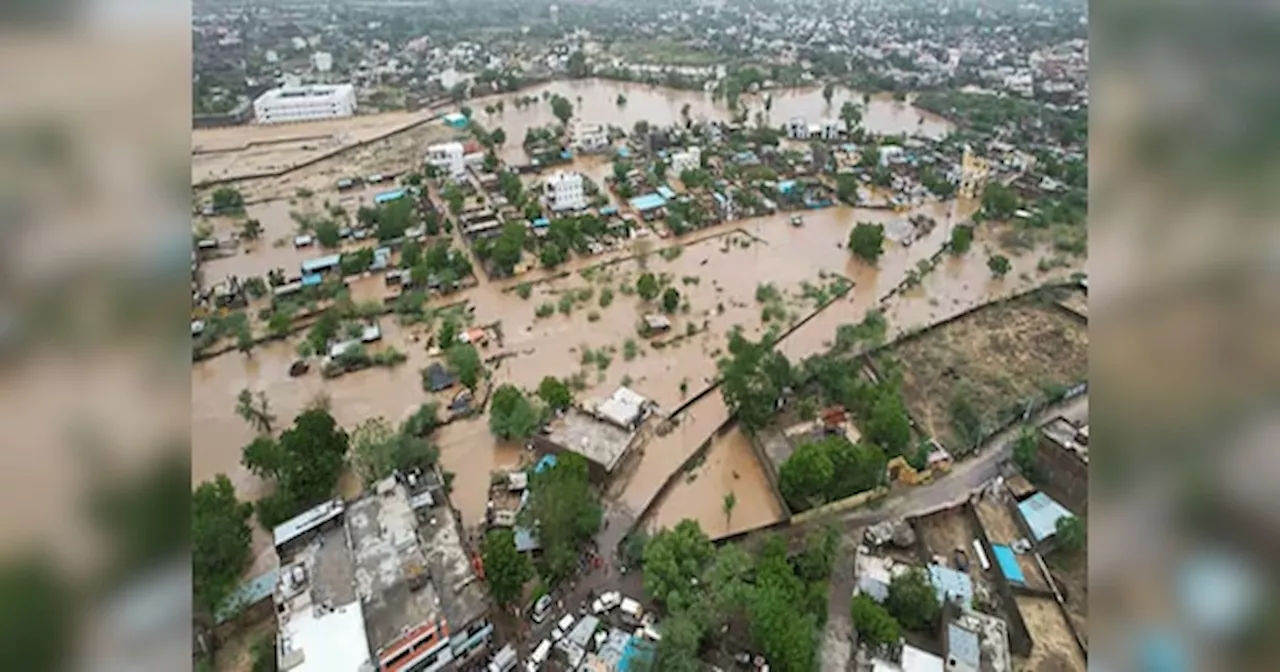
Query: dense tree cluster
828	470
564	512
511	415
754	380
305	463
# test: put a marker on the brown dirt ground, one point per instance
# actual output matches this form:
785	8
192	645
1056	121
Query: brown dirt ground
236	654
1054	648
945	531
1001	528
997	356
1071	574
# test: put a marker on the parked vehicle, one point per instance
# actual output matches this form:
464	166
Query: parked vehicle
606	602
562	628
539	656
540	609
797	220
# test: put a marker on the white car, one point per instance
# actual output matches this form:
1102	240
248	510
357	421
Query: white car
540	609
538	657
606	602
562	628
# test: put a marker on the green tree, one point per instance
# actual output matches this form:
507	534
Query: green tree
913	601
622	100
562	109
505	568
965	419
464	361
999	201
251	229
754	377
305	464
220	542
454	197
647	286
999	265
851	114
727	504
875	626
255	410
422	422
555	393
509	247
961	239
564	512
866	241
498	137
378	450
888	426
828	92
467	112
511	416
674	560
620	170
328	234
577	65
1070	533
1024	452
670	300
410	253
678	650
490	161
227	199
805	477
847	188
394	219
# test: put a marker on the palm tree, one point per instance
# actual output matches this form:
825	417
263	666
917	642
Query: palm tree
255	410
730	501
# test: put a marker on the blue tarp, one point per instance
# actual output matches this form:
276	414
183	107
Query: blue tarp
1009	564
636	653
387	196
541	222
648	202
546	462
624	152
786	186
312	279
455	120
526	540
1042	513
566	155
610	210
666	192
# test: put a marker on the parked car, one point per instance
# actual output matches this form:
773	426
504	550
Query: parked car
606	602
540	609
539	656
562	627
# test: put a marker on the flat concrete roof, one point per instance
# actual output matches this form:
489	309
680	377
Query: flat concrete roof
321	624
597	440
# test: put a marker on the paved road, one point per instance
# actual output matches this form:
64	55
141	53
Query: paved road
965	477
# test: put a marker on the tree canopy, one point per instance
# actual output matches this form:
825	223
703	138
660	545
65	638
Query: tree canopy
464	362
1070	533
505	568
555	393
378	450
913	600
961	239
561	108
828	470
647	286
674	560
305	464
866	241
511	415
876	627
754	376
999	265
670	300
220	541
564	512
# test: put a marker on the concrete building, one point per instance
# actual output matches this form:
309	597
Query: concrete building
910	660
449	158
289	104
603	443
798	129
563	192
832	129
689	159
424	607
590	138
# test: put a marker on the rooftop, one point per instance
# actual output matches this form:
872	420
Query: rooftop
248	593
595	439
952	584
312	91
1074	439
625	408
962	646
1008	563
648	202
993	638
913	660
321	624
1042	513
306	521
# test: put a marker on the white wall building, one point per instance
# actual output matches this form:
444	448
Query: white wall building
563	191
591	137
798	128
305	103
832	129
322	61
689	159
450	158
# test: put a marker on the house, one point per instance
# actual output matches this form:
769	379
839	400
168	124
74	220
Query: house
590	138
952	585
456	120
449	158
832	129
910	659
438	378
563	191
1041	514
624	408
688	159
963	650
798	128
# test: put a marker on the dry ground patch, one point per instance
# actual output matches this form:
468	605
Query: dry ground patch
1071	574
992	361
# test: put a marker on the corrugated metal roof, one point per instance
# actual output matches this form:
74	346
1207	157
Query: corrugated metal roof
1008	564
962	645
248	593
1042	513
951	584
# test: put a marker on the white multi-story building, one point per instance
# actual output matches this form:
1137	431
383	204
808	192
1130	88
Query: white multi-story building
305	103
832	129
798	128
563	191
689	159
591	137
450	158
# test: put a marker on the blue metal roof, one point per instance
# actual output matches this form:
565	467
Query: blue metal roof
951	585
720	198
247	594
320	264
566	154
610	210
526	540
666	192
455	120
312	279
1009	564
786	186
546	462
386	196
624	152
648	202
1042	513
541	222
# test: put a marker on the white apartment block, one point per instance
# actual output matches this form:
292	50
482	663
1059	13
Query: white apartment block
591	137
832	129
563	191
450	158
798	129
689	159
322	61
305	103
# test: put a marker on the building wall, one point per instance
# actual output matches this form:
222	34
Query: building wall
564	192
449	158
1064	476
339	102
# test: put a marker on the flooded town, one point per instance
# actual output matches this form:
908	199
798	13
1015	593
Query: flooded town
618	337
